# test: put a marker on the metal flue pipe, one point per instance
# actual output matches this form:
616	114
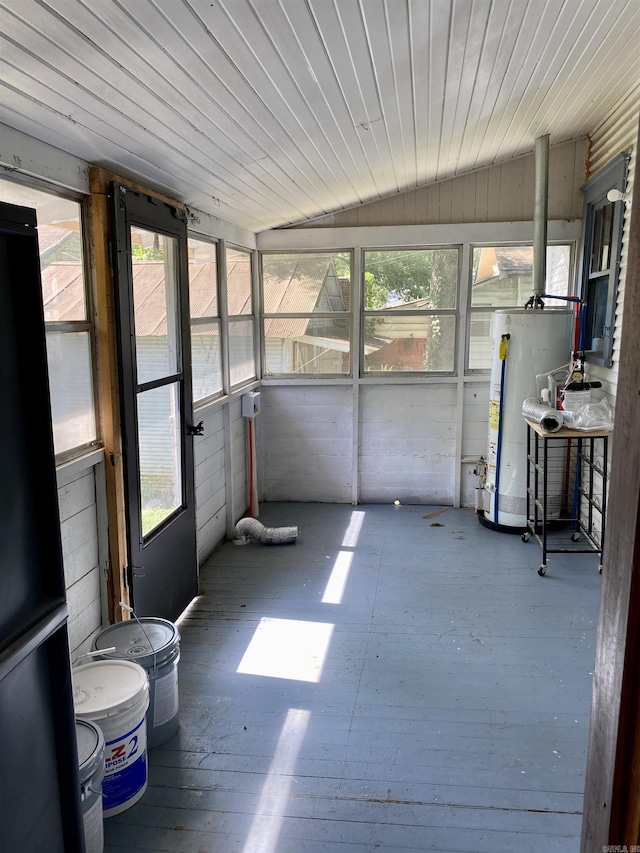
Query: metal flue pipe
540	218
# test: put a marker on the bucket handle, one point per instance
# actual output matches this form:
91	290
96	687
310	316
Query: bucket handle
155	654
93	654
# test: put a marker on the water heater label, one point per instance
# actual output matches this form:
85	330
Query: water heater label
494	414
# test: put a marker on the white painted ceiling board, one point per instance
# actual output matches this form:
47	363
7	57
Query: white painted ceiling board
268	112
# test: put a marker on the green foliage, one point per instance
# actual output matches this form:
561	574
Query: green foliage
146	253
342	264
397	277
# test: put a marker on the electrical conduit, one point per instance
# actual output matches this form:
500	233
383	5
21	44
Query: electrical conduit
504	346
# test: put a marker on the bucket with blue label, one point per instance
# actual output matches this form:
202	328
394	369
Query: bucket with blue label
115	696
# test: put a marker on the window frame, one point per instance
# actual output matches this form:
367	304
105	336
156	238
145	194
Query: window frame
315	315
228	319
86	326
410	312
487	309
201	402
613	176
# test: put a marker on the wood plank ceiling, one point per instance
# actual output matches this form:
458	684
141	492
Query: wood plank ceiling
269	112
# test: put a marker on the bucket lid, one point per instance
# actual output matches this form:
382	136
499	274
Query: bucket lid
146	641
90	742
103	688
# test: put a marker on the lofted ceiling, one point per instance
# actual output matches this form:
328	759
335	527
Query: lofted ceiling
270	112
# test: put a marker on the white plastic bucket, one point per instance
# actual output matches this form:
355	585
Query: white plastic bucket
90	743
115	696
153	644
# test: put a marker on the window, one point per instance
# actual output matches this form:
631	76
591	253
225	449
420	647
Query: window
68	329
410	298
206	365
502	277
600	265
307	320
242	363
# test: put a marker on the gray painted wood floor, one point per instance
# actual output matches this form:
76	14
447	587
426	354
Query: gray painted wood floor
437	699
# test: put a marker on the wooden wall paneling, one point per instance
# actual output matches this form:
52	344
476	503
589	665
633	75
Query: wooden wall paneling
457	201
307	435
481	199
408	443
209	450
612	788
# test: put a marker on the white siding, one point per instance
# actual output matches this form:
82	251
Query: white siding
209	453
407	443
475	430
619	133
306	435
79	528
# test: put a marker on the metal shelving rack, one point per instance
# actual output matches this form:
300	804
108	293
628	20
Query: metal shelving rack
566	490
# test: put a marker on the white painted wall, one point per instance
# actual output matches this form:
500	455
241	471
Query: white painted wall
407	444
209	455
306	439
417	440
81	500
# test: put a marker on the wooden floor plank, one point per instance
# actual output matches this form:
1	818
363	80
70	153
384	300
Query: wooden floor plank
450	713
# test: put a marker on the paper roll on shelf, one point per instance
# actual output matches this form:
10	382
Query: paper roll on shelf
550	420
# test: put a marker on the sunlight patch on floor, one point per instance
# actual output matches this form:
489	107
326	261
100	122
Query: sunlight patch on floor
287	648
338	578
352	533
265	829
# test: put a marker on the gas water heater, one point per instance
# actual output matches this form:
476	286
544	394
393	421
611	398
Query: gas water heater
526	343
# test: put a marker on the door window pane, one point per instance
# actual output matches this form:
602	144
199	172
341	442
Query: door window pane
159	443
155	304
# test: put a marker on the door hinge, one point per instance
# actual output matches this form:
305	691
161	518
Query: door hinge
131	572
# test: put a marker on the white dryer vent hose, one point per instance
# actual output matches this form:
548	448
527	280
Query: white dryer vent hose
252	528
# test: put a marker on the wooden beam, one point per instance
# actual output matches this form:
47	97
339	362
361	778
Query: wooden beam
99	229
612	788
108	392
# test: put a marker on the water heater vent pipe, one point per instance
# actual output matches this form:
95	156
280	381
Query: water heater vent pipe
540	218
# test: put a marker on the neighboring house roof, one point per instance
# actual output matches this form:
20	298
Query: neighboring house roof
504	261
63	291
298	284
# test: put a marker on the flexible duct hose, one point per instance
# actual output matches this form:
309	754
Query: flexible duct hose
251	527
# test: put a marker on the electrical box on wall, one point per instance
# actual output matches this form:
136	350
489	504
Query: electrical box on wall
250	404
